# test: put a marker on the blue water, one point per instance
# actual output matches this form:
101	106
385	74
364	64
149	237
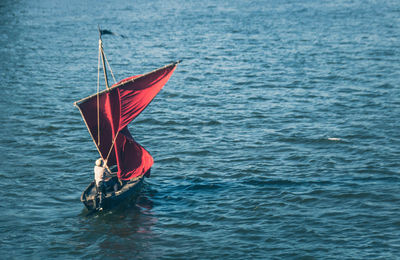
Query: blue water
277	137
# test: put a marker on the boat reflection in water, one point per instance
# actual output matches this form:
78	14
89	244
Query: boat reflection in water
121	231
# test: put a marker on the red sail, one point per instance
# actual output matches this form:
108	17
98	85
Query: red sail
118	106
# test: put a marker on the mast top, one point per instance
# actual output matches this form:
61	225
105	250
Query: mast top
98	27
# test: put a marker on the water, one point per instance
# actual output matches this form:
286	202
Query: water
276	138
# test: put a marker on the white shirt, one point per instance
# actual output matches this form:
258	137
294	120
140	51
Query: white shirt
99	174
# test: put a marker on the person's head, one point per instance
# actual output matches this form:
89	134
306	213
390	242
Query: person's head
98	162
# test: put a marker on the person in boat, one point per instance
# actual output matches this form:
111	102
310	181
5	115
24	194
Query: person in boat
103	179
99	172
99	177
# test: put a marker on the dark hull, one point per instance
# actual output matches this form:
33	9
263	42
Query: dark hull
127	193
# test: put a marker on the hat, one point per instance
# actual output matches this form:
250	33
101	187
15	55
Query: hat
98	162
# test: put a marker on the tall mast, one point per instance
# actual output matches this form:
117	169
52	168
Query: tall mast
102	59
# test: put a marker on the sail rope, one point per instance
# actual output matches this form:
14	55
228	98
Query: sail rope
112	145
108	64
98	98
112	74
103	55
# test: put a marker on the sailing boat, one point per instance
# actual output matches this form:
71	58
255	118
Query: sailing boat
107	114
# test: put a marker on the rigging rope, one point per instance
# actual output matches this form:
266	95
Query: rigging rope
103	57
108	64
112	145
98	101
112	74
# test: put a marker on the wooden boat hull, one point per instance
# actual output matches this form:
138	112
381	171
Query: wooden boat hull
127	193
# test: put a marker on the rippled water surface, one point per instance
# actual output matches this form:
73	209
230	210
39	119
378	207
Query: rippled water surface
277	137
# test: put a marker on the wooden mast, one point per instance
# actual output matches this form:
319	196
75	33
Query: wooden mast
102	59
101	52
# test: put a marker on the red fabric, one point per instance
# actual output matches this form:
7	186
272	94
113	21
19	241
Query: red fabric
108	106
132	159
136	95
117	109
